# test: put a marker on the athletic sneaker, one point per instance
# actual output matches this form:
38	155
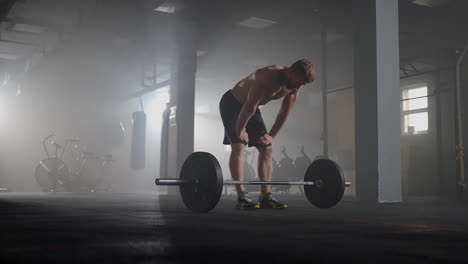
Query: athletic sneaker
269	202
244	202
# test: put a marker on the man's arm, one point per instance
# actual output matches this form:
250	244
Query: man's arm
286	107
248	109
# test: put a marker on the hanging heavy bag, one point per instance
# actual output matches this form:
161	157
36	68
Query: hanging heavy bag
138	148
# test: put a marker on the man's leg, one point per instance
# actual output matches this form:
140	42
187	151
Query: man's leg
264	173
236	165
265	168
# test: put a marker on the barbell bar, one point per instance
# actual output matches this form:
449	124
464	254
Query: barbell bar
177	182
201	182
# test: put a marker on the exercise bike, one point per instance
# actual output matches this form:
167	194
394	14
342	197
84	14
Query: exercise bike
87	170
283	171
52	173
301	164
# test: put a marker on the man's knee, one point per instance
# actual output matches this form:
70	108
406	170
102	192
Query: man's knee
237	149
265	153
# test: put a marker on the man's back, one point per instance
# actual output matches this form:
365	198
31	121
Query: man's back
265	78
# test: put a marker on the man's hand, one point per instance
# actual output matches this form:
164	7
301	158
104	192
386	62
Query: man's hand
244	136
265	140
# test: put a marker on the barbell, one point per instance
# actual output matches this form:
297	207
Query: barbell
201	182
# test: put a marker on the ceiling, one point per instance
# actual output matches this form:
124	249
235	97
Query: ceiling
425	27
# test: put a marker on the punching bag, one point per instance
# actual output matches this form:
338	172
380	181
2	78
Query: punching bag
163	170
138	149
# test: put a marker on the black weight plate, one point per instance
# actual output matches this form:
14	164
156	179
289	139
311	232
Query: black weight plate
204	168
330	192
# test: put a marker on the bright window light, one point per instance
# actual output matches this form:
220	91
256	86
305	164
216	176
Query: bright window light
156	102
417	92
417	102
416	123
415	110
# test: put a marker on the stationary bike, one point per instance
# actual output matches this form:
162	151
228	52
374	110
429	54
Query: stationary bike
301	164
283	171
88	171
52	173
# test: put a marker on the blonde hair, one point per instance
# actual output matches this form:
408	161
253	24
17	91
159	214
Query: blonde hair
306	67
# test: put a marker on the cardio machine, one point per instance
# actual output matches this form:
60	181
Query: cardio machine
52	173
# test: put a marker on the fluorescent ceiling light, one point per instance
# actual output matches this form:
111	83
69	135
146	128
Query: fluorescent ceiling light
430	3
7	56
166	7
257	23
28	28
201	53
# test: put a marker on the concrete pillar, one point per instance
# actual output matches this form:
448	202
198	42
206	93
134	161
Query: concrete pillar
447	172
182	92
377	101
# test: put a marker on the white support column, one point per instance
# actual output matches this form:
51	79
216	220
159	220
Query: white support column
388	101
377	101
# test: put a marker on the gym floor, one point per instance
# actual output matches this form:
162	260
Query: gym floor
145	228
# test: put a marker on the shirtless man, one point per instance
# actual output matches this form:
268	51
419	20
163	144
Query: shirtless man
243	122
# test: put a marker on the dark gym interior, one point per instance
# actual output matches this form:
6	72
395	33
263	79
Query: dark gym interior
103	102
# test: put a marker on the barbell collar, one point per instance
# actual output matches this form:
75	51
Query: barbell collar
169	182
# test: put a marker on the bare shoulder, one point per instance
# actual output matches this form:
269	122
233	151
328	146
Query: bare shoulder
268	76
275	67
265	71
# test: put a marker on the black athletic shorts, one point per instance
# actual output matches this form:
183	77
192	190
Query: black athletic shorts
230	109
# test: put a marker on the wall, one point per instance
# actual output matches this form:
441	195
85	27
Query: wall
446	132
78	90
464	98
341	109
420	152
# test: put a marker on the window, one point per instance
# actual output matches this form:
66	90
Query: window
415	110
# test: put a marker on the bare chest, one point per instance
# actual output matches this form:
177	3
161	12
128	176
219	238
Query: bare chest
280	93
